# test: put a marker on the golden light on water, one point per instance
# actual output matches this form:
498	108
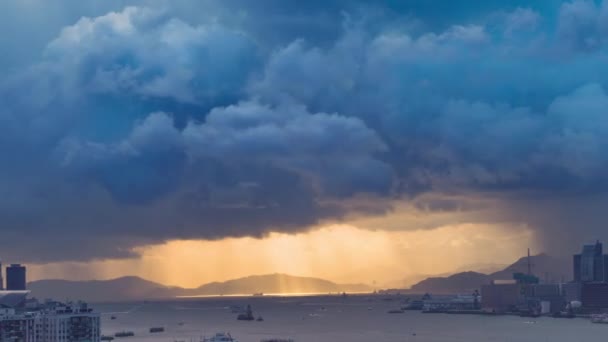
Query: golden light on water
340	253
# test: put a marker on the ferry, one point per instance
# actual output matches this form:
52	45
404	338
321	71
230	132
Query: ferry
220	337
414	305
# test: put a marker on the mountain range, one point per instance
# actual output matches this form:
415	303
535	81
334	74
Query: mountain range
545	267
135	288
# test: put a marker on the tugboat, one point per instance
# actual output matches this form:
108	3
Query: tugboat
247	316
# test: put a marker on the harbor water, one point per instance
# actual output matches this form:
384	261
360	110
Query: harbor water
331	319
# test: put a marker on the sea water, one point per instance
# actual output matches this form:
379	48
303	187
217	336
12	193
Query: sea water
331	319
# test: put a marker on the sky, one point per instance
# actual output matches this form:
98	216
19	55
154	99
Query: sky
361	141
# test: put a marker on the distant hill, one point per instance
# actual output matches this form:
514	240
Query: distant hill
485	268
135	288
121	289
543	266
465	282
276	283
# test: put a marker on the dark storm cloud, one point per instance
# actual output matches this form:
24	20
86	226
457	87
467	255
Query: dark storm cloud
122	127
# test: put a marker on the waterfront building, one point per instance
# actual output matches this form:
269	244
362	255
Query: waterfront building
571	292
594	295
548	296
591	265
15	277
502	296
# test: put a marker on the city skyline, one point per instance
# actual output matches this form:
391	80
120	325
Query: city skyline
358	141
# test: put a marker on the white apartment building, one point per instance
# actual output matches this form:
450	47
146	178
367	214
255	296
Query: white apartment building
54	322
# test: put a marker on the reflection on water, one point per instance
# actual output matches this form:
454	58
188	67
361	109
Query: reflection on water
330	319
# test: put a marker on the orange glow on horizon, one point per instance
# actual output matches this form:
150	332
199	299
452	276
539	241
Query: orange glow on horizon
340	253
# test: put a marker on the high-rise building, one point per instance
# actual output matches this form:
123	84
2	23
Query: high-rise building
1	278
576	262
15	278
591	265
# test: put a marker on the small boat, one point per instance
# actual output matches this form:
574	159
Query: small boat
397	311
106	338
277	340
260	319
124	334
156	330
259	294
220	337
113	317
181	323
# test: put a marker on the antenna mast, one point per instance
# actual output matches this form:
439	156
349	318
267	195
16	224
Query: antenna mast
529	265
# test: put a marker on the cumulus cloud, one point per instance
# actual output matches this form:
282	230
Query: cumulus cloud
150	123
583	24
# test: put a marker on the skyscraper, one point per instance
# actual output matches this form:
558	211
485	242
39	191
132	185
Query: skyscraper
590	265
15	278
1	278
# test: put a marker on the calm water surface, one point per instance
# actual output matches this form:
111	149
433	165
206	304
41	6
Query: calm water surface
331	319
